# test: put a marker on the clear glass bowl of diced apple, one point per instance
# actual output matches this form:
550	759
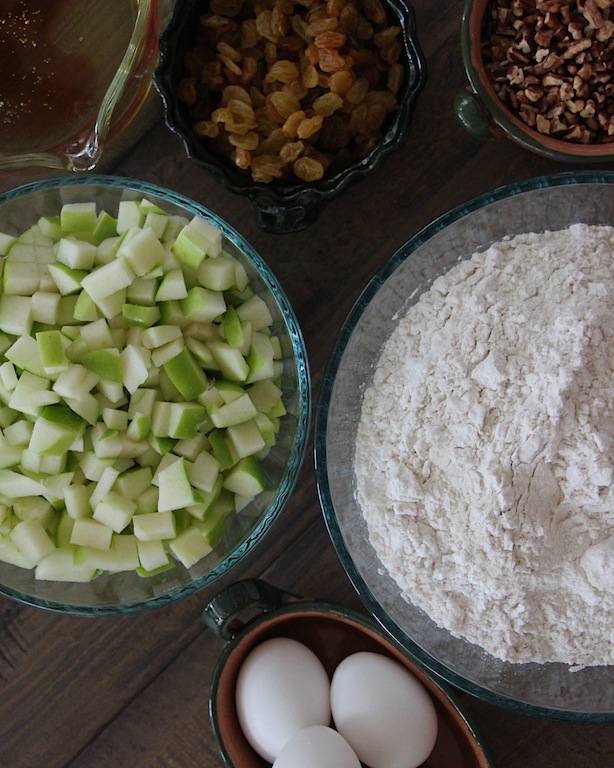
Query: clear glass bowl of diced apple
154	396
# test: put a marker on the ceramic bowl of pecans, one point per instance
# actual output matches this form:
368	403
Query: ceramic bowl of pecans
541	72
288	101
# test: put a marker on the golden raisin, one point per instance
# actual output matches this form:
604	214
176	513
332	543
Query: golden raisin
290	127
327	104
235	93
318	26
242	158
341	82
334	7
249	140
291	151
330	39
310	76
265	168
357	92
283	72
308	169
187	90
330	60
281	105
228	52
207	129
225	7
309	126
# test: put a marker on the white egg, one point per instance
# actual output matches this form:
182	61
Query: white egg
317	747
383	711
282	688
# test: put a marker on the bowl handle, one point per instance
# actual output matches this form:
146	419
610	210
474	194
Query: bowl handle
254	596
473	115
284	218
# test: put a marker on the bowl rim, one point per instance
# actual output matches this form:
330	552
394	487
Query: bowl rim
236	182
471	26
363	590
253	536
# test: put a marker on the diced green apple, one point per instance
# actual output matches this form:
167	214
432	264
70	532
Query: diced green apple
67	280
52	350
186	375
245	439
106	227
20	278
45	307
32	540
154	526
203	305
229	360
256	310
137	391
76	254
108	279
190	546
236	412
15	315
174	488
245	478
197	240
143	251
217	274
152	556
122	555
87	532
115	511
59	565
105	363
129	215
78	217
172	286
204	471
6	241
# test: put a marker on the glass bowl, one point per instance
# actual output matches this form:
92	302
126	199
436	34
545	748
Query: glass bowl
280	207
551	202
62	100
127	592
484	115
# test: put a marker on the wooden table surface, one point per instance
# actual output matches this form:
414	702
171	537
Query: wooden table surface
132	692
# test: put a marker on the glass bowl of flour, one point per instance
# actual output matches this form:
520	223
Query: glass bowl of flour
465	446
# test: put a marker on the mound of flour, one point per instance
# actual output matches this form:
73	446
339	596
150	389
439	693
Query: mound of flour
485	451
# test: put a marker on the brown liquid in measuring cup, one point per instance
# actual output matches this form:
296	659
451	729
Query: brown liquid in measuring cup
57	59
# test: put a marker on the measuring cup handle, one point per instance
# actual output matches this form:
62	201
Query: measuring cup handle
223	613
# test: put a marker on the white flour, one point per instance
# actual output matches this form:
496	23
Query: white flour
485	453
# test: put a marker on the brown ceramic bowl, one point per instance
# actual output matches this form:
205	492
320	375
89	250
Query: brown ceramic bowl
332	633
484	115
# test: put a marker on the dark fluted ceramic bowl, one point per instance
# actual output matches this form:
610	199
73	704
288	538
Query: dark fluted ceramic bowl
281	207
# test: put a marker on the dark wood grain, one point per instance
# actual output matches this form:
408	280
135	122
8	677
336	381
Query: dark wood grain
132	692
